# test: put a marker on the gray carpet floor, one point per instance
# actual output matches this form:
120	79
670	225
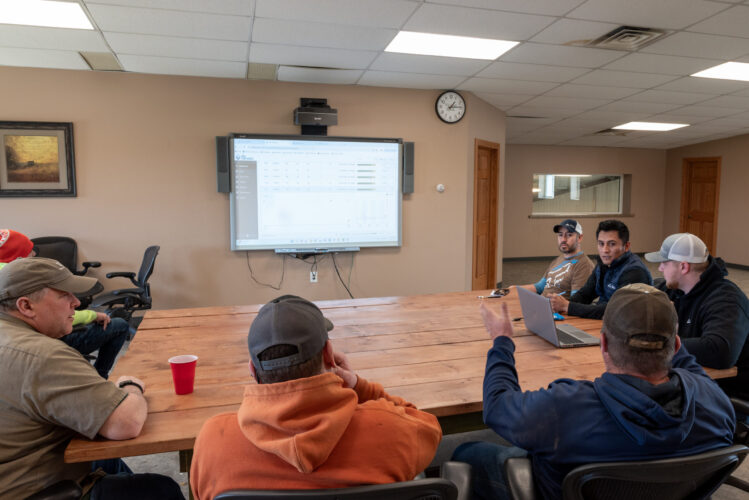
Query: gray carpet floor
514	273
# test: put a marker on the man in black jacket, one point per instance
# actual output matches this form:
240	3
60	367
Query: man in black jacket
713	311
617	267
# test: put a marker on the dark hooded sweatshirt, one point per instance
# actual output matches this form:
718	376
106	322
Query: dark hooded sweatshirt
613	418
714	324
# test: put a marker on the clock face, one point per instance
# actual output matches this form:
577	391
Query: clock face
450	107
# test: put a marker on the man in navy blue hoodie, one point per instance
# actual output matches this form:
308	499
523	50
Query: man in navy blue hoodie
654	401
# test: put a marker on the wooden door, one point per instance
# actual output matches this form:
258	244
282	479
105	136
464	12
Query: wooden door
700	185
485	201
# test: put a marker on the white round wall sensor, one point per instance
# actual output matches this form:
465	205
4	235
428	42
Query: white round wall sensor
440	188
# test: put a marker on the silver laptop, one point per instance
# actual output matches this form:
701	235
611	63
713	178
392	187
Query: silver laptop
539	319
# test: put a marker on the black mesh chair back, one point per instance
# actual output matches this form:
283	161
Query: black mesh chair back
123	302
60	248
422	489
684	478
65	251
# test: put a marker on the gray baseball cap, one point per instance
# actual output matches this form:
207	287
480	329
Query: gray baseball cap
24	276
642	316
681	247
570	225
288	320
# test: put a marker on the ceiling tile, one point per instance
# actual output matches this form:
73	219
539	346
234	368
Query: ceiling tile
375	13
609	119
502	100
567	102
291	55
409	80
656	63
506	86
639	107
315	75
321	35
41	58
170	22
408	63
673	117
167	46
525	110
596	140
520	123
451	20
558	55
623	79
700	110
592	91
188	67
668	97
728	101
536	72
697	85
565	31
236	7
731	22
664	14
34	37
699	45
548	7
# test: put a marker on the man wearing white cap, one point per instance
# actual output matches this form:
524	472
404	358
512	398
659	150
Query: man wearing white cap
713	311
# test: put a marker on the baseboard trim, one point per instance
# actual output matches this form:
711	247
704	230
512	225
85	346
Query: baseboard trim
741	267
526	259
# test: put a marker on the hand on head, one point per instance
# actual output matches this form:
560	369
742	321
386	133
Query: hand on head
497	325
341	367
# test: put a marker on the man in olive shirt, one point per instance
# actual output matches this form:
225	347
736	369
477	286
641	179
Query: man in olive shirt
50	393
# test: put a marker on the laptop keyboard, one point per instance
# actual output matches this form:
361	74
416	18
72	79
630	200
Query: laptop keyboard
566	338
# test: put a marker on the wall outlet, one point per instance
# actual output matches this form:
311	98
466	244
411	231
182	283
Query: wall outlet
313	276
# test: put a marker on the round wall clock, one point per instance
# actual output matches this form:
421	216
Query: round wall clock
450	106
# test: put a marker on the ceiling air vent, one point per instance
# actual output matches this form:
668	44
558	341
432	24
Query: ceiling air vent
611	131
628	38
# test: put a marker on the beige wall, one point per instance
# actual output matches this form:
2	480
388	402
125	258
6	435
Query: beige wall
145	165
733	238
525	237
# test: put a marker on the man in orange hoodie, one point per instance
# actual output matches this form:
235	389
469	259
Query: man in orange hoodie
309	422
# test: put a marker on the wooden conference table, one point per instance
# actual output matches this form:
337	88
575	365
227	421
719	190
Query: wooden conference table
428	349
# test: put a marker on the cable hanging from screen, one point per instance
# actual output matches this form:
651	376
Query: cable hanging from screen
269	285
351	268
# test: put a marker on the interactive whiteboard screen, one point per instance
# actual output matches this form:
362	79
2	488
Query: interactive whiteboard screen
312	192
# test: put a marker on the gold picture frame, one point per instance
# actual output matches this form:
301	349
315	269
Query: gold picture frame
36	159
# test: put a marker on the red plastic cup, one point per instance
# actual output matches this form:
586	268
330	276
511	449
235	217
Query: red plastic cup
183	372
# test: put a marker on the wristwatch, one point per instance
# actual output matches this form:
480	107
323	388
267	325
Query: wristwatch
130	382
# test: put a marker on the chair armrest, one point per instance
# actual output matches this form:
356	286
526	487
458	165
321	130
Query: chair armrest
740	405
459	473
519	473
91	263
124	274
61	490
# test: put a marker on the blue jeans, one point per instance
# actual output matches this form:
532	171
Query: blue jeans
487	462
108	342
121	484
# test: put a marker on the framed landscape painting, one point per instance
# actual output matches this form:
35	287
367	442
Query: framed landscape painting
37	159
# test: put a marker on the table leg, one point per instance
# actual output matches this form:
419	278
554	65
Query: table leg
185	461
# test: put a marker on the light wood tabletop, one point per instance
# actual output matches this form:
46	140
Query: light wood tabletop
429	349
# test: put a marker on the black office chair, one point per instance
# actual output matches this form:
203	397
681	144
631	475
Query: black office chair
684	478
455	484
741	436
65	250
124	302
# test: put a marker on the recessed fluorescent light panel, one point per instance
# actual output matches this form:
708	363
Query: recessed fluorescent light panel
727	71
45	13
430	44
659	127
